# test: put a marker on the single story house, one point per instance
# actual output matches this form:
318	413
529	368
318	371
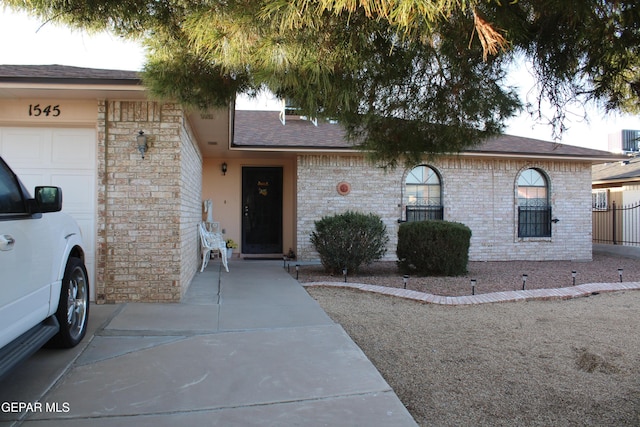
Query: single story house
616	201
616	181
269	176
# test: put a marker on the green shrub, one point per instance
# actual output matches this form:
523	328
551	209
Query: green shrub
433	248
349	240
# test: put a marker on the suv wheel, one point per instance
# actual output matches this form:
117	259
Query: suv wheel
73	308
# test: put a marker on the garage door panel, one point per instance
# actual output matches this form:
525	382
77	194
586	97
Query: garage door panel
65	158
69	149
78	191
30	177
25	147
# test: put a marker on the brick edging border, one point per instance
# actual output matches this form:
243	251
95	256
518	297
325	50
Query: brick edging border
505	296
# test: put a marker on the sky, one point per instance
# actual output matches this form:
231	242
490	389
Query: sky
26	41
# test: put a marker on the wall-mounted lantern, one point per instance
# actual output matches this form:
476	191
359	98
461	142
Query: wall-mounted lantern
224	168
141	140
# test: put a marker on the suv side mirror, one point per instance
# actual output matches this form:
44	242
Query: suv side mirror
48	199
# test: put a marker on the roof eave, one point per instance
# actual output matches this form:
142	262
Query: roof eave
616	180
298	149
540	156
77	85
48	81
486	154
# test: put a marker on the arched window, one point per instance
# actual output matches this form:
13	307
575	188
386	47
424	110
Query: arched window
534	209
423	194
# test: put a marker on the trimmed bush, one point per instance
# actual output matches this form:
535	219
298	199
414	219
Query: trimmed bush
438	248
349	240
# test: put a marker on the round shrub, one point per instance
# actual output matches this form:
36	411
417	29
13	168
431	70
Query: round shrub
433	248
349	240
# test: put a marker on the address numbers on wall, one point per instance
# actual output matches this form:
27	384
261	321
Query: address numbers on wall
41	110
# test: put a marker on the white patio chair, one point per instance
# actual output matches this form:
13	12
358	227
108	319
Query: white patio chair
212	241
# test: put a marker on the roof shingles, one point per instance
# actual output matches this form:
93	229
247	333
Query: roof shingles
52	73
626	170
263	129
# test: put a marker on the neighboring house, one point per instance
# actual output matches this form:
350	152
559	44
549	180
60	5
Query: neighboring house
616	185
77	128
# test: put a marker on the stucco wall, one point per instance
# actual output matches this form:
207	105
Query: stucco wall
480	193
146	207
226	193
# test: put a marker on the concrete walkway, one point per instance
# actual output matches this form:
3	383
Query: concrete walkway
245	348
632	252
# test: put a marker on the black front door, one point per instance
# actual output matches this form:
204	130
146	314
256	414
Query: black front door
262	210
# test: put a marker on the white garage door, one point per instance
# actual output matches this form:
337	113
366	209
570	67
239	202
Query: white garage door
65	158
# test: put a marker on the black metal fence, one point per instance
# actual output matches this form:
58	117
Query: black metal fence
617	225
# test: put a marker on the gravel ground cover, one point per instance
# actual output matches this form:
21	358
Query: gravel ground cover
490	276
536	363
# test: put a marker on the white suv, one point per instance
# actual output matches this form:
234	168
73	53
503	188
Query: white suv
44	290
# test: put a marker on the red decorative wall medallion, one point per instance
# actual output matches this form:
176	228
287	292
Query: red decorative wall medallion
343	188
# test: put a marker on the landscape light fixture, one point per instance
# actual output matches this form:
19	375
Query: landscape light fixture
405	280
524	281
573	276
473	286
344	273
141	141
297	270
620	274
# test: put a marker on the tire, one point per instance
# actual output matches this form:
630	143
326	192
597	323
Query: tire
73	307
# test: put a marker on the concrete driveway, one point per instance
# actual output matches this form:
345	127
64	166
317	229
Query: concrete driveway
244	348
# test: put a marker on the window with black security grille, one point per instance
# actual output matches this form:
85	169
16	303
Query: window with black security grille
423	195
534	210
423	213
534	221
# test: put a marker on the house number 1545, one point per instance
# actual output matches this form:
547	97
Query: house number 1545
46	110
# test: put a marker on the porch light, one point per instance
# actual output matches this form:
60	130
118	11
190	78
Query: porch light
620	274
224	168
405	280
473	286
573	276
524	280
141	141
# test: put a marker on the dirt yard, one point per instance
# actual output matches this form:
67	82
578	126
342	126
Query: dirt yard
537	363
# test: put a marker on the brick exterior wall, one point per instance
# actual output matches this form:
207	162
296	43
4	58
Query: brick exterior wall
190	206
480	193
147	208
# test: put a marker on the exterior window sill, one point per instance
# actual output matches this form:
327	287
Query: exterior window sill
533	239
